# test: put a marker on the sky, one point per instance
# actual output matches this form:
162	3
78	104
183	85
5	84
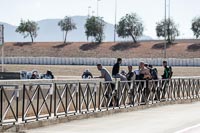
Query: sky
150	11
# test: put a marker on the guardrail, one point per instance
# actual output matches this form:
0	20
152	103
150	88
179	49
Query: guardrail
35	100
103	61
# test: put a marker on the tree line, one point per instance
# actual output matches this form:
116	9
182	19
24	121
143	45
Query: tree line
130	25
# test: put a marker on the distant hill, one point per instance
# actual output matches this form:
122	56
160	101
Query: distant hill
50	31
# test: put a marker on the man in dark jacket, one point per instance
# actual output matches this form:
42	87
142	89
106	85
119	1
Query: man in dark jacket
130	73
115	70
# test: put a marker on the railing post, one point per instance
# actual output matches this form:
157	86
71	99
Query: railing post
1	112
95	97
99	97
23	102
51	97
38	101
132	90
55	92
78	96
17	101
170	90
66	99
88	95
117	90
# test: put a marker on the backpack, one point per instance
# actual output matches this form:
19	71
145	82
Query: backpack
154	73
170	72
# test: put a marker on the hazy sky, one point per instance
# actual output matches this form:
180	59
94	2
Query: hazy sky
151	11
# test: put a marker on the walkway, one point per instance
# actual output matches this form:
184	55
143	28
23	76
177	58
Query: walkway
165	119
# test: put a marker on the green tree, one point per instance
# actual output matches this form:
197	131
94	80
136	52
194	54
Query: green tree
196	27
28	28
94	27
130	26
66	25
167	29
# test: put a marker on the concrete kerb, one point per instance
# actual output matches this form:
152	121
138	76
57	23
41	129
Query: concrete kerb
37	124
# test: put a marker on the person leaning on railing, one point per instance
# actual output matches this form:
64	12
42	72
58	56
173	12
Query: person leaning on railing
144	75
144	72
116	69
167	74
104	73
107	77
167	71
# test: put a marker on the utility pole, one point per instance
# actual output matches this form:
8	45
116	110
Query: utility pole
165	45
98	8
2	46
115	21
89	7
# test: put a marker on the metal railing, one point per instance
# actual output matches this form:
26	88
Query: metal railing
37	97
35	101
9	97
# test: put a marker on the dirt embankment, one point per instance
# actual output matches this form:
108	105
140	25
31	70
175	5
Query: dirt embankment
147	49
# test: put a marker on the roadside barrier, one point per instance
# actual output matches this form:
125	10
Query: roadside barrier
35	100
103	61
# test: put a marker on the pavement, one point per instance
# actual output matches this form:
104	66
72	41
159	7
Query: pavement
178	118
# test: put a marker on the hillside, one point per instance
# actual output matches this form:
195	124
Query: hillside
50	31
148	49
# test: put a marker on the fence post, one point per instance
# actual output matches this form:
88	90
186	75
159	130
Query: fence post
17	101
99	100
54	92
51	90
78	96
88	94
66	99
117	83
1	113
38	101
95	97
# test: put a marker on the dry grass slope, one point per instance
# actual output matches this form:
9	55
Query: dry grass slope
148	49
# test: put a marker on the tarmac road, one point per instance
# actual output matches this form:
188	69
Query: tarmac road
181	118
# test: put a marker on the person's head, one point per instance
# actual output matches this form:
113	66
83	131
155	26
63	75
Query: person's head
99	67
87	70
150	66
119	60
146	64
141	65
34	75
123	72
130	68
49	72
164	63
